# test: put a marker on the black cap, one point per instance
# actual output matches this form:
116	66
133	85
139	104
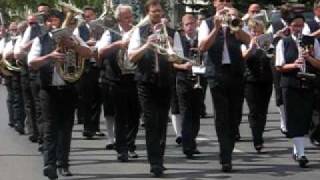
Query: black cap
294	17
57	14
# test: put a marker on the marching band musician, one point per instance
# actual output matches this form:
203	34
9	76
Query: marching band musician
18	104
154	78
189	96
7	79
20	52
58	97
297	92
224	71
119	72
258	85
314	25
89	106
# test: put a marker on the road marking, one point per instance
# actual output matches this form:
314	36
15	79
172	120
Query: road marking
208	139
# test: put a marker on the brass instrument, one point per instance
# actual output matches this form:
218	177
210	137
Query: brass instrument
73	66
234	23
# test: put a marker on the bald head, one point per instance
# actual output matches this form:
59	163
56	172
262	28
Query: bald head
254	9
189	24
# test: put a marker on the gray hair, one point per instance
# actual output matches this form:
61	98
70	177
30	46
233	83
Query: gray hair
119	8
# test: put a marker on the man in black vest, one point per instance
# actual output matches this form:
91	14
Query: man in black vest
120	74
314	25
224	71
58	97
89	107
189	96
154	76
27	77
7	77
18	104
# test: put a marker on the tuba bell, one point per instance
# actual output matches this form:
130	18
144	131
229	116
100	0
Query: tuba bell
73	66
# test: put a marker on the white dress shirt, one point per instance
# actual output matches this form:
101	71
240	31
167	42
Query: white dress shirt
203	33
127	67
280	60
35	52
135	41
2	45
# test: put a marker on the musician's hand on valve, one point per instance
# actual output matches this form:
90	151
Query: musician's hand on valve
152	39
57	56
69	42
123	44
306	55
253	43
187	66
217	20
298	63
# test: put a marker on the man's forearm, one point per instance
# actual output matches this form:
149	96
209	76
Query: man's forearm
207	42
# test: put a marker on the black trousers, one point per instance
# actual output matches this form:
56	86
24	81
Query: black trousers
204	85
298	106
35	90
29	103
10	97
89	107
18	103
190	100
258	96
155	104
227	95
127	113
57	107
315	125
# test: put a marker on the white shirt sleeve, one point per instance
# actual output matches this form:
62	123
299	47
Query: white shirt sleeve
26	36
306	29
104	41
280	61
316	49
2	45
8	49
135	41
243	48
270	29
177	45
203	31
17	46
35	50
76	32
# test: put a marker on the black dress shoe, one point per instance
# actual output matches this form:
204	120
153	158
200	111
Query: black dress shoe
258	147
20	130
50	172
88	134
315	142
110	146
179	140
33	139
133	154
303	161
123	157
11	125
157	171
64	172
237	137
41	148
226	167
196	151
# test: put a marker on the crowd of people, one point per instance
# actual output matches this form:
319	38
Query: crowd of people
138	73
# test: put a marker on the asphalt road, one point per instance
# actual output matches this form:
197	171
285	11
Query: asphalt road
19	159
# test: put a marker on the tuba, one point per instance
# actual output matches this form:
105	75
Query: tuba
73	66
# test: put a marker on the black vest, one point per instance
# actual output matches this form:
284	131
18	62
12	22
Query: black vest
84	32
258	68
36	30
186	45
214	61
46	70
290	79
111	70
145	67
